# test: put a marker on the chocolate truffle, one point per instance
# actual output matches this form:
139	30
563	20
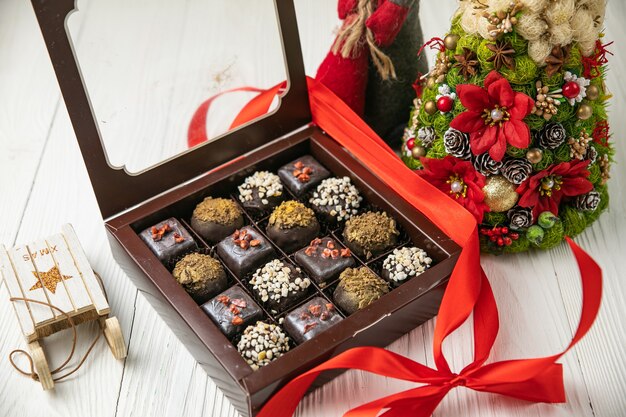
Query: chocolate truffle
302	175
292	225
232	311
262	343
336	199
311	319
358	288
202	276
216	218
279	285
261	192
168	240
244	251
324	259
405	263
370	234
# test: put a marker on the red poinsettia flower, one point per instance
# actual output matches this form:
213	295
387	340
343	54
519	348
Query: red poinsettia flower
544	190
459	180
494	116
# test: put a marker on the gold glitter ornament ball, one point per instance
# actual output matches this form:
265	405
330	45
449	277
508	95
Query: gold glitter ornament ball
585	111
593	92
534	155
450	42
418	152
500	194
430	107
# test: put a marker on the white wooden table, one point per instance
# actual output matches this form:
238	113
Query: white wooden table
44	184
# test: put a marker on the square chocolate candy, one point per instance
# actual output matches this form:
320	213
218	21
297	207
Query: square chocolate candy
324	259
233	311
311	319
279	285
302	175
244	251
168	240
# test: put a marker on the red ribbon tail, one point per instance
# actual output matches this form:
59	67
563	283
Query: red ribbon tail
546	387
417	402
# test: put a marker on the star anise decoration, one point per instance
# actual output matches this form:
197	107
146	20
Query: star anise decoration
502	54
556	59
466	63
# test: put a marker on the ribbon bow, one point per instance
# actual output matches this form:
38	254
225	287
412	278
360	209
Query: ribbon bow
468	292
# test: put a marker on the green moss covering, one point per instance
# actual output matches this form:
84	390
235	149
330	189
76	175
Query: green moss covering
437	149
524	73
552	236
484	53
515	152
535	122
517	42
546	161
520	245
455	78
493	219
594	174
412	162
442	123
574	221
562	153
468	41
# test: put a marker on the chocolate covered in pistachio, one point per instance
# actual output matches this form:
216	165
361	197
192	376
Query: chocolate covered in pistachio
216	218
370	234
202	276
358	288
292	225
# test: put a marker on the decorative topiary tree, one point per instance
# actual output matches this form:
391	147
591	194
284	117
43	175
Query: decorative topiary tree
511	121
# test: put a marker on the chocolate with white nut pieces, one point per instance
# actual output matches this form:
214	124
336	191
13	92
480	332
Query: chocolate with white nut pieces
233	310
279	285
244	251
292	225
324	259
216	218
302	175
168	239
405	263
370	234
202	276
336	199
262	343
260	192
311	319
358	288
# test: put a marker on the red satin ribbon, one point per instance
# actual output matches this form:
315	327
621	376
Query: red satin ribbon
258	105
468	291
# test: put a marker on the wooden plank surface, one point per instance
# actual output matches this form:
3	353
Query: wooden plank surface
76	289
538	293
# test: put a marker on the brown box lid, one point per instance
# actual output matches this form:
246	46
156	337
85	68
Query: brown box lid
116	187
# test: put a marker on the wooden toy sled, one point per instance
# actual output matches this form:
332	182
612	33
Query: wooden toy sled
55	271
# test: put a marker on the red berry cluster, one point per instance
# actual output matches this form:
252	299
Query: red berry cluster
500	235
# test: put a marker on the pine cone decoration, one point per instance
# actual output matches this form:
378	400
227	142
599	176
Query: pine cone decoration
520	217
551	136
587	202
592	154
516	170
486	165
426	135
457	143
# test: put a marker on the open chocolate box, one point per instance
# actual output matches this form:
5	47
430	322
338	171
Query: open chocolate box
133	200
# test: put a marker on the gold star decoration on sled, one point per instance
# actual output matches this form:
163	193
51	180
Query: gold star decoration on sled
49	279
